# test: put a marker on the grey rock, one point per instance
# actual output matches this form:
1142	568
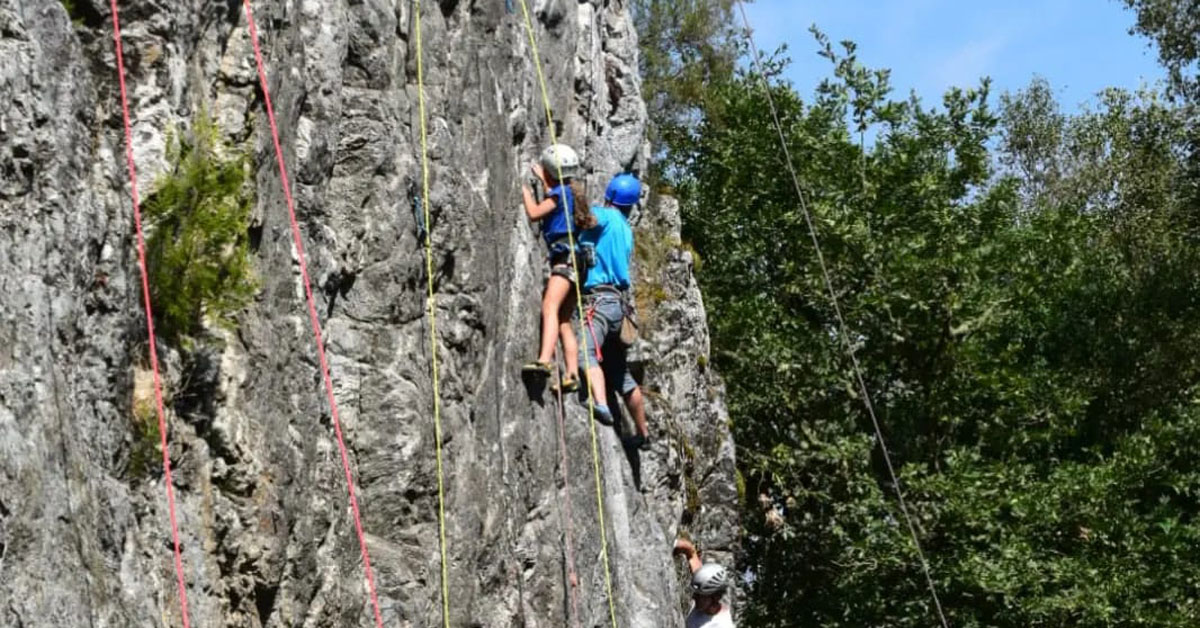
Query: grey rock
266	534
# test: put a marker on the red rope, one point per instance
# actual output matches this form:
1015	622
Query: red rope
141	247
572	576
312	314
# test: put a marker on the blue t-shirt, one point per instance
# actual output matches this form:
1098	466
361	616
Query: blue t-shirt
613	240
554	225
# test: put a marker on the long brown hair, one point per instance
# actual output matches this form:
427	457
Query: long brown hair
584	219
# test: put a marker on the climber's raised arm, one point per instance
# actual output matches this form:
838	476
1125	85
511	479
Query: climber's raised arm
685	547
709	583
533	209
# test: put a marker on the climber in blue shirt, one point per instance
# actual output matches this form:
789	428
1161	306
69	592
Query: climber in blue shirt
605	295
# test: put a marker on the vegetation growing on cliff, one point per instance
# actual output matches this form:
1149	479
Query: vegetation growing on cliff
198	245
145	439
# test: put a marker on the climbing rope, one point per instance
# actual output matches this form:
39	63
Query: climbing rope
842	327
537	64
568	528
312	315
141	248
430	301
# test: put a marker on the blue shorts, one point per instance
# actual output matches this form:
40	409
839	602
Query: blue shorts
605	331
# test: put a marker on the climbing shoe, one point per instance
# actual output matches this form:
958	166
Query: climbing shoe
540	369
638	441
602	414
569	384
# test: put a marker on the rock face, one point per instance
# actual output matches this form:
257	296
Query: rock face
267	536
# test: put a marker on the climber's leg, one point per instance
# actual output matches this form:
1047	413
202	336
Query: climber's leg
557	288
616	368
595	334
569	343
599	392
637	407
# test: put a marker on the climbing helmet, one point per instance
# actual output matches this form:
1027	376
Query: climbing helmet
560	156
623	191
711	579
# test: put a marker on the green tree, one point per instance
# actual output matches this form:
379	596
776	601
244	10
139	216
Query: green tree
1175	26
198	222
1024	317
685	48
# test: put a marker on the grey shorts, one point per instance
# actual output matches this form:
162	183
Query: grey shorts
605	331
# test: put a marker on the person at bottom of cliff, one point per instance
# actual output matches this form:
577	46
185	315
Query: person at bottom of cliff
556	212
709	582
605	300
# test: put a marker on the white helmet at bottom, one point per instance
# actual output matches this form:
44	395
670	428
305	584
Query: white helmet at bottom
711	579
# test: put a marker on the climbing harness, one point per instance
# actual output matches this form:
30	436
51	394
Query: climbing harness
141	249
590	298
591	312
431	304
312	314
563	249
537	64
629	327
842	327
562	254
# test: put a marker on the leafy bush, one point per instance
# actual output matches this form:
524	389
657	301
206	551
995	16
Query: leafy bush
198	244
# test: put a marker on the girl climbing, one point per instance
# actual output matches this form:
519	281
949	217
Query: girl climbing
556	211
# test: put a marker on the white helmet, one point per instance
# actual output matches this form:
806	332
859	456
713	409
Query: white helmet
711	579
558	156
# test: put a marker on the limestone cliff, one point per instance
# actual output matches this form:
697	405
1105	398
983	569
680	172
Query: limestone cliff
267	536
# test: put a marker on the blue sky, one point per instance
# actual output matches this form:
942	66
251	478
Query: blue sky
1080	46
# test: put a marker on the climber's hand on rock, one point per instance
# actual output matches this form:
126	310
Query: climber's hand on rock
685	547
538	172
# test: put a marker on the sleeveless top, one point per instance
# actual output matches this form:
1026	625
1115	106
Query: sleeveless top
554	225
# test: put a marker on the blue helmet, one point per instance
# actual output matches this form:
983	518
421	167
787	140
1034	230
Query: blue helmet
623	191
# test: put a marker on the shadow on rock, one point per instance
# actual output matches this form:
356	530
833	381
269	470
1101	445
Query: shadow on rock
535	386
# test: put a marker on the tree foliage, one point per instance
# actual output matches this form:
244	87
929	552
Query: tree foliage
1175	26
1021	288
197	249
685	48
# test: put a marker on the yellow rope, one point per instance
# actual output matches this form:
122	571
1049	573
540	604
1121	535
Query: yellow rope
537	64
437	404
